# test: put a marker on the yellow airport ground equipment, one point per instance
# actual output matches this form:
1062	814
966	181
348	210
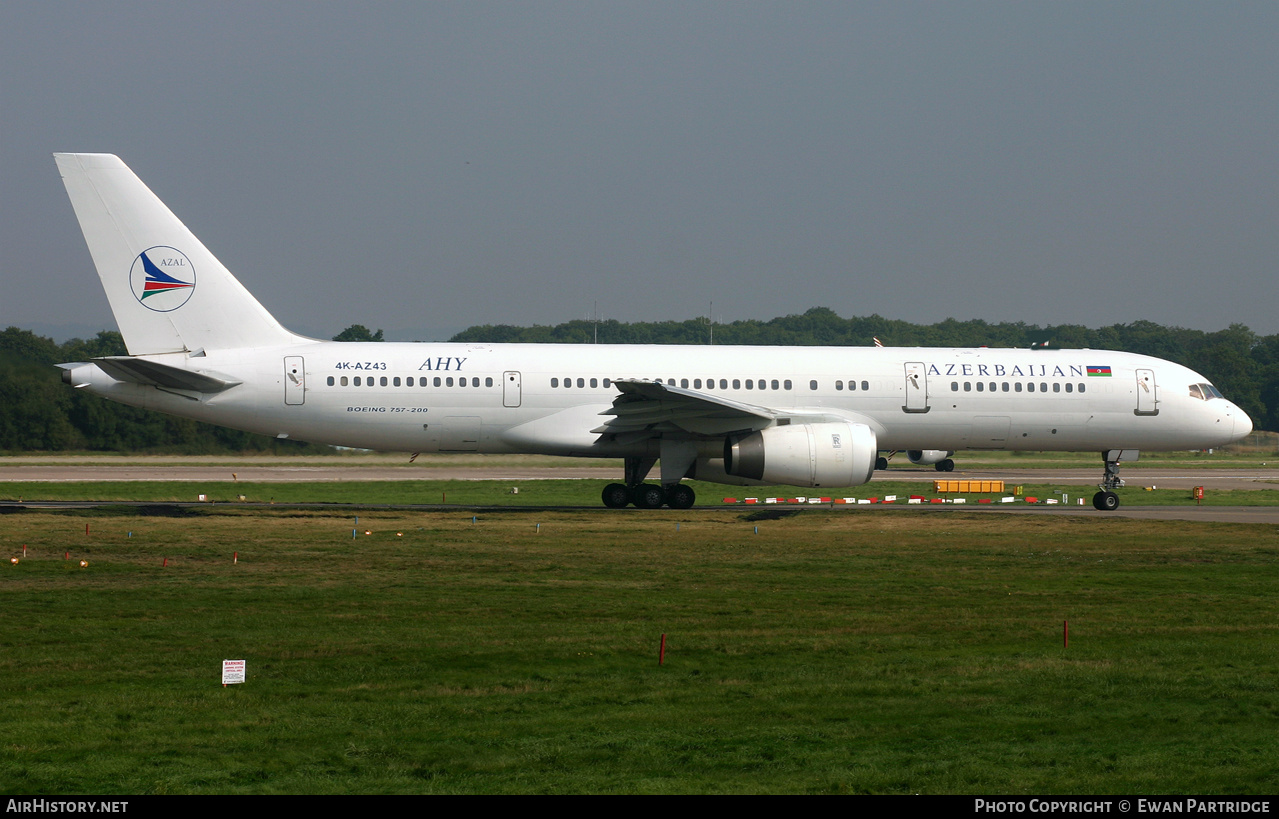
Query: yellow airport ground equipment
968	487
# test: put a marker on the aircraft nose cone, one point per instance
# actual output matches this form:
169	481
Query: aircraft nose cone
1243	424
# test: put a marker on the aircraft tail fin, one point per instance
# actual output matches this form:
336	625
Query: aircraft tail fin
167	291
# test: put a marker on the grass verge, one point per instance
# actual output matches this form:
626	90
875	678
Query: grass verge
813	653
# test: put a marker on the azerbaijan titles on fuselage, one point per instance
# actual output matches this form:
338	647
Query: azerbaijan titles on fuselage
1019	370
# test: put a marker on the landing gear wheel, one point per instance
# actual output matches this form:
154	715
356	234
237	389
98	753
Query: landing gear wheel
1105	501
945	466
616	496
648	496
680	497
881	464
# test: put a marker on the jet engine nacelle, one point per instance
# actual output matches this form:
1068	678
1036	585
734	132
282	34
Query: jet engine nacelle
928	456
832	454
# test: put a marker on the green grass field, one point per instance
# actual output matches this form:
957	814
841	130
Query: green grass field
583	493
827	653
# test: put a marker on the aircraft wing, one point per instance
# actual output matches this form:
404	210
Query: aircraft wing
648	408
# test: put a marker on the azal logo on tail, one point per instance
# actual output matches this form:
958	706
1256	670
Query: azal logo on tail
162	278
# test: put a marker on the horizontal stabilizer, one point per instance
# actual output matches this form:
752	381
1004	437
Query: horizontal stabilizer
155	374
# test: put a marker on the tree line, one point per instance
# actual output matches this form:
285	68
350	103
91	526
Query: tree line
1243	365
40	413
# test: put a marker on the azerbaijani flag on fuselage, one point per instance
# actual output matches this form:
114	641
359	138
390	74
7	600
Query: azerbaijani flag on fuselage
1103	372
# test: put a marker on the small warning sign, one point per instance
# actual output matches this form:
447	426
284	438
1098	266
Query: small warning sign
232	672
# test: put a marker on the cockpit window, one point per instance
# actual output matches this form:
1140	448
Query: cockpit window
1204	392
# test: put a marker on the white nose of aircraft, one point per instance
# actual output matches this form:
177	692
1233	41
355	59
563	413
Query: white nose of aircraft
1243	424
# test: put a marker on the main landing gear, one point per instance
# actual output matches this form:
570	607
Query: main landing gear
1106	500
646	495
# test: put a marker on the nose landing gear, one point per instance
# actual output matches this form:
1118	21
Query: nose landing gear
1106	500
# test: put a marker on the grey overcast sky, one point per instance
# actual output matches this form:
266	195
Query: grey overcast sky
425	166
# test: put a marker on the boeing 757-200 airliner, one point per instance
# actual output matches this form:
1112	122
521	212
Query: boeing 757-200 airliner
201	346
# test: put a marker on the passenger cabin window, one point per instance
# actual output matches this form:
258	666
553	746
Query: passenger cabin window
812	385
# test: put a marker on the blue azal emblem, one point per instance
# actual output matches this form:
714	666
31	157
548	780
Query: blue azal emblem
162	278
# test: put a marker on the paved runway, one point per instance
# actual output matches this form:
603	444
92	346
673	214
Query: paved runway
330	469
325	469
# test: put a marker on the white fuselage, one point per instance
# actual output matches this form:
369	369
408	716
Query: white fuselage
202	347
546	398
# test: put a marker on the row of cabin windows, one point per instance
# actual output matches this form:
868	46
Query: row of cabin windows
582	382
594	383
696	383
1002	386
763	384
396	381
